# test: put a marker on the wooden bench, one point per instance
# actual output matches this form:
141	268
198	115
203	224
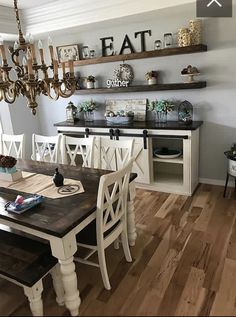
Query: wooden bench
25	262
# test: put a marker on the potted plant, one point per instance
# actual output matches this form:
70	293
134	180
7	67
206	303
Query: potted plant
161	108
87	107
90	81
151	77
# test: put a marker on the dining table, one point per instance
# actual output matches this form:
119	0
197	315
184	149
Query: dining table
59	220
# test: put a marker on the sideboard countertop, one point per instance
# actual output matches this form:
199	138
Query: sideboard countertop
146	125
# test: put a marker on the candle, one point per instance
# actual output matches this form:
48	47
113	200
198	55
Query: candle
50	45
63	65
40	46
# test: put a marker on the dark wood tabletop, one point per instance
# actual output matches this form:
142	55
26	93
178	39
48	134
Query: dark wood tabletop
59	216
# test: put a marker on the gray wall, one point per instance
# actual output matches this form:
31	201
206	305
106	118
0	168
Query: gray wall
214	105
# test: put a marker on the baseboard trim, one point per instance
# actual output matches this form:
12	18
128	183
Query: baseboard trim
217	182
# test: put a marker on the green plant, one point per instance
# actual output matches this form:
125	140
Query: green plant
87	106
91	79
161	106
151	74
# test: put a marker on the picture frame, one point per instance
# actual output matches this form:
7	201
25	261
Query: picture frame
65	51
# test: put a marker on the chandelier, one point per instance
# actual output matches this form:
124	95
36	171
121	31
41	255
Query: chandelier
28	71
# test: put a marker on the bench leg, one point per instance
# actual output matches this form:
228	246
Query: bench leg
34	296
58	285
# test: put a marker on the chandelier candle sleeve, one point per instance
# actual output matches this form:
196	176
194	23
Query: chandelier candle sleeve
63	65
3	52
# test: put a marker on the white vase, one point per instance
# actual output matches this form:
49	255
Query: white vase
152	81
90	84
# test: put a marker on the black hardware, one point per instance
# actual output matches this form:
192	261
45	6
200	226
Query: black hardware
162	136
87	132
145	135
117	134
111	131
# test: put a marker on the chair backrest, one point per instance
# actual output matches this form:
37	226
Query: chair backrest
112	199
72	147
13	145
45	148
113	154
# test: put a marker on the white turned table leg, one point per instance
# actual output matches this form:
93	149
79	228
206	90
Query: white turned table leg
131	227
69	280
58	285
35	299
64	249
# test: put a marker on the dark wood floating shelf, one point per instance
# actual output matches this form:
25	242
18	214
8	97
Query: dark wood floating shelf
149	54
158	87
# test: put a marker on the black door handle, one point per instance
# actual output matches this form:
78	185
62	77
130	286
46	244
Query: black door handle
87	132
145	136
111	131
117	134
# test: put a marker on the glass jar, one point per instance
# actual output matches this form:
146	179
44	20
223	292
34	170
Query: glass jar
185	112
168	40
157	45
85	52
92	53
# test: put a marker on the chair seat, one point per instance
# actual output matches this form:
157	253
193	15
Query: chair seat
88	234
24	260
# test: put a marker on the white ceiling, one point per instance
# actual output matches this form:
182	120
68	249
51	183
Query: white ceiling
25	4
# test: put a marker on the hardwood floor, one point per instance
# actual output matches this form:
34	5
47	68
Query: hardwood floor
184	263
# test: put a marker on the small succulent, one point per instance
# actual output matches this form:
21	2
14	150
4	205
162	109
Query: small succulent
120	113
87	106
91	79
161	106
151	74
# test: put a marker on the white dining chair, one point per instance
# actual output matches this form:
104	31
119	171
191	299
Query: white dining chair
74	147
13	145
110	220
114	154
46	148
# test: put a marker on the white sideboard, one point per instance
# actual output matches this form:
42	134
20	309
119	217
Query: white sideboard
180	175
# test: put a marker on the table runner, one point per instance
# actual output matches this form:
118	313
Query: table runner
41	184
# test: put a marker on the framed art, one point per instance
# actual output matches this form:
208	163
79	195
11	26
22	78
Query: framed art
65	52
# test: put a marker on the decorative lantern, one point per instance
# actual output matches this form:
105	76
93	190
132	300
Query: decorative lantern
71	112
185	112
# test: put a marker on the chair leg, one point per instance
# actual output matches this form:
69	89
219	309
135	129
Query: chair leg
103	268
117	244
35	299
58	285
226	184
125	245
235	184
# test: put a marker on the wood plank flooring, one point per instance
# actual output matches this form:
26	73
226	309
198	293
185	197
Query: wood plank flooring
184	263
